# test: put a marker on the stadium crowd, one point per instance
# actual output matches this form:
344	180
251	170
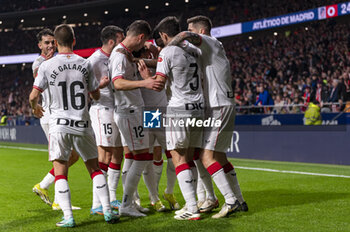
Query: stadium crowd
293	68
19	41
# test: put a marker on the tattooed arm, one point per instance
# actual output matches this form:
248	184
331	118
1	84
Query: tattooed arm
191	37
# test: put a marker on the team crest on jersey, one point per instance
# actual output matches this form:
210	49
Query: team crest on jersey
160	59
151	118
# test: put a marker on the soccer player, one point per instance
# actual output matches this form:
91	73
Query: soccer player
157	101
107	136
128	111
69	79
217	83
47	46
179	70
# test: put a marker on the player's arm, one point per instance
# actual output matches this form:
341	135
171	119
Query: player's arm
191	37
95	95
152	63
146	74
150	83
35	72
37	110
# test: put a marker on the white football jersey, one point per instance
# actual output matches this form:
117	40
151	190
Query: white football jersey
183	76
121	67
216	66
69	79
153	98
99	62
45	95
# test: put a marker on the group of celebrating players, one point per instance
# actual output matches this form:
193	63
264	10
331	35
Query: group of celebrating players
187	73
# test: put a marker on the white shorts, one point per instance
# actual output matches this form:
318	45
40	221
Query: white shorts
61	145
219	138
45	127
156	138
106	131
130	125
182	137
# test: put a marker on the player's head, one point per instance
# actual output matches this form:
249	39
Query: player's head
138	33
157	38
112	35
168	28
199	24
64	36
46	41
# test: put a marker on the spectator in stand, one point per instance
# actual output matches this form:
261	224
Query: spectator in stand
307	94
334	95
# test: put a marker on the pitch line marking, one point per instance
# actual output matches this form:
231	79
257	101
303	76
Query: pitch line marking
24	148
292	172
239	167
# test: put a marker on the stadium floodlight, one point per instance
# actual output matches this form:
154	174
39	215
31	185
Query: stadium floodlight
250	37
43	19
22	20
85	14
306	28
167	4
126	9
3	65
275	33
64	16
187	1
146	7
106	12
0	22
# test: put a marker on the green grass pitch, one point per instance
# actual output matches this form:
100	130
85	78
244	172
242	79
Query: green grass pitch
277	201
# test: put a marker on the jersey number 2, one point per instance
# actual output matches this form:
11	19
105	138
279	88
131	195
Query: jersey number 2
74	96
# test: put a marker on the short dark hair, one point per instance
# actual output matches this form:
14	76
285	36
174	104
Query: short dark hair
201	20
64	35
109	32
139	27
44	32
169	25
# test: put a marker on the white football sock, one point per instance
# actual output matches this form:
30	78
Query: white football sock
126	166
232	179
48	180
200	190
62	192
205	179
113	180
132	180
150	181
95	200
158	169
101	190
171	176
185	179
219	177
194	175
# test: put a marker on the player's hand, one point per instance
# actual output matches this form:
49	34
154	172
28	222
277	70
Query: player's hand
153	84
127	54
144	71
38	111
49	55
104	82
153	49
